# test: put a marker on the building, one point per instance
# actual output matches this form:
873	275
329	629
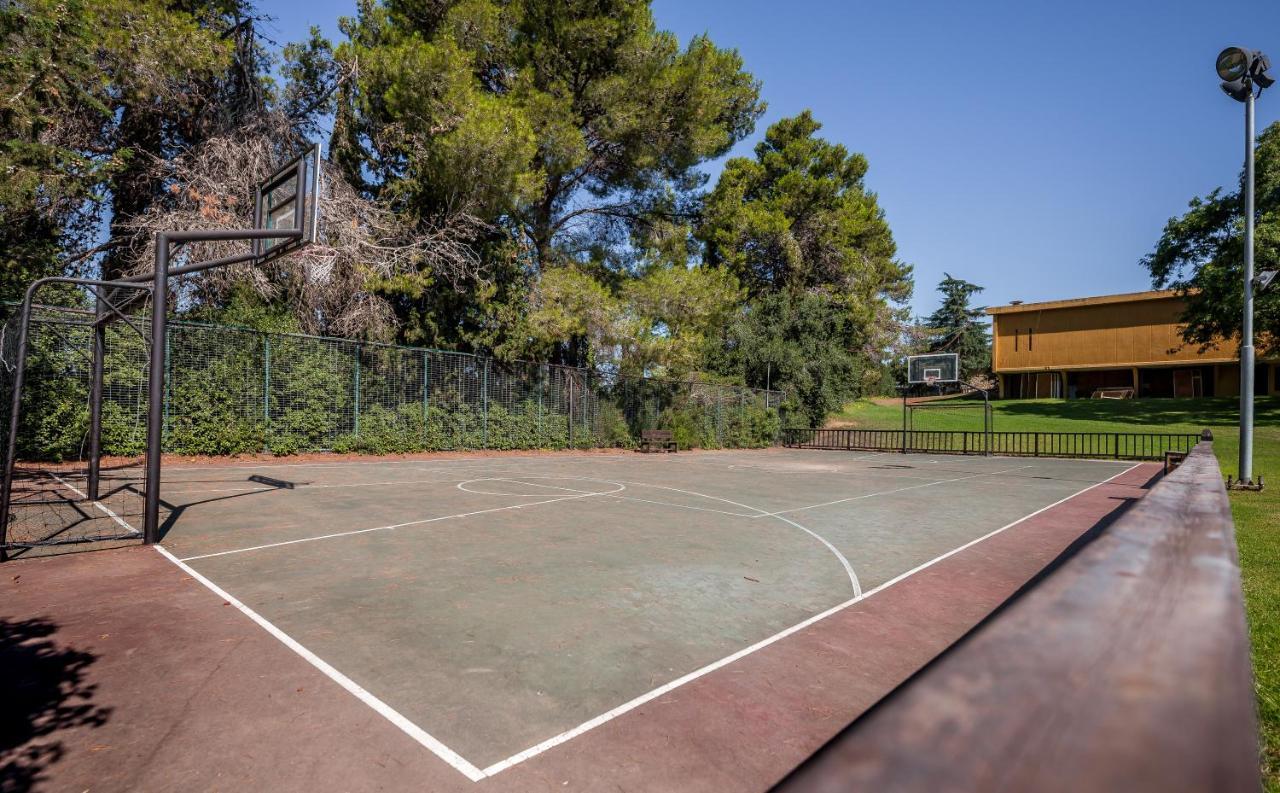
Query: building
1128	344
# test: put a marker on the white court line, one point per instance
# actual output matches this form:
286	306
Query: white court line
621	498
97	504
475	774
888	492
848	568
425	461
385	528
683	506
763	467
389	713
174	491
554	741
170	489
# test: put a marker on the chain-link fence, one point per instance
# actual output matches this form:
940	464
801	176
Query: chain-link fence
48	503
232	390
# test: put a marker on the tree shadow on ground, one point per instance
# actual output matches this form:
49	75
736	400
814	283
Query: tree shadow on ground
1147	412
44	693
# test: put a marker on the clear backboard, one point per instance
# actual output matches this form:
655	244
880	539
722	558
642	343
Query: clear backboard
287	200
933	368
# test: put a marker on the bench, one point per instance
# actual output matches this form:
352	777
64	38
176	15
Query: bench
658	441
1113	393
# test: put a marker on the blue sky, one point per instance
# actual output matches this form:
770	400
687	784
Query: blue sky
1034	148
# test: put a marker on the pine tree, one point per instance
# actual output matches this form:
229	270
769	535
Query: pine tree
958	327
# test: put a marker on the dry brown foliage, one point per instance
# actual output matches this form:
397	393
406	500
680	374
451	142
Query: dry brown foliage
326	284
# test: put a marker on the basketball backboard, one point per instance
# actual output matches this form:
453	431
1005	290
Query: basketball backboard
933	368
287	200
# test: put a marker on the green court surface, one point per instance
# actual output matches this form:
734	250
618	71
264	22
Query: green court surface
494	607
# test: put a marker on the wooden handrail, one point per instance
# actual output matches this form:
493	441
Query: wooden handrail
1125	669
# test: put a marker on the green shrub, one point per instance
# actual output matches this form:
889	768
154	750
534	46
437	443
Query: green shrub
222	399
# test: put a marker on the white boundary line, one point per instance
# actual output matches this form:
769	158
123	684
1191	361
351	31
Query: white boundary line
389	713
537	749
97	504
475	774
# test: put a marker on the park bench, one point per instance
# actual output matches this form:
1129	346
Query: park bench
1113	393
658	441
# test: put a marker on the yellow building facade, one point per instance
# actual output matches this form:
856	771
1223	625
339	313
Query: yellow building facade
1075	348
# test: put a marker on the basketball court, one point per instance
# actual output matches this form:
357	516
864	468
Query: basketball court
528	621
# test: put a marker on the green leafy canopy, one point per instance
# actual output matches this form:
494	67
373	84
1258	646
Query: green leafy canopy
1201	254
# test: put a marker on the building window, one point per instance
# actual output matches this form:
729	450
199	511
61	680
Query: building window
1030	338
1015	339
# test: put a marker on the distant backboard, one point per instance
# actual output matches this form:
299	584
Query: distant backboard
933	368
287	200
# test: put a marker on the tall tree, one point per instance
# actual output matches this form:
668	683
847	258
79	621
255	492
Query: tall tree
811	245
566	125
154	127
69	69
959	327
804	344
799	217
1201	254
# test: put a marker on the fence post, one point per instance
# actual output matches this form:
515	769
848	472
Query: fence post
357	390
570	382
426	394
742	415
168	378
484	406
1117	445
266	392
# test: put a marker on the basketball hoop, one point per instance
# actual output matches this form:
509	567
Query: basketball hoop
933	369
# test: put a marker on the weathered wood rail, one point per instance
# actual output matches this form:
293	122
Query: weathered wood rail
1124	669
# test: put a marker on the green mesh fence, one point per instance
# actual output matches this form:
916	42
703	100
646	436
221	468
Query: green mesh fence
231	390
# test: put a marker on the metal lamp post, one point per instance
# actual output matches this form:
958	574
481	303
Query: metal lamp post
1241	70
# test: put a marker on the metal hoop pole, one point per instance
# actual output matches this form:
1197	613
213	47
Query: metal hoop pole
155	396
11	445
99	341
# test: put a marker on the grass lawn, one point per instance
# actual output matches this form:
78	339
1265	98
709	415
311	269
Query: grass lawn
1257	515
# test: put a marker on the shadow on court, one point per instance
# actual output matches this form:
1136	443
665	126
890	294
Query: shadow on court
46	694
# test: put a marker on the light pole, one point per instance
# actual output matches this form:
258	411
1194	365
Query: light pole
1241	70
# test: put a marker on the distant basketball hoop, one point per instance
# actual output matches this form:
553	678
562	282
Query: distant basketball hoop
936	370
933	369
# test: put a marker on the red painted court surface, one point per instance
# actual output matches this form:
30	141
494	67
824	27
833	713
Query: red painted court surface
699	621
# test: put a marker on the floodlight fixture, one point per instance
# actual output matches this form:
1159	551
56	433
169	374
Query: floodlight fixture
1263	280
1233	63
1238	90
1241	69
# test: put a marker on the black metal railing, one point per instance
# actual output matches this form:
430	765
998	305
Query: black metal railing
1113	445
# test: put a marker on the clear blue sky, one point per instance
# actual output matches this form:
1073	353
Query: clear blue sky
1034	148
